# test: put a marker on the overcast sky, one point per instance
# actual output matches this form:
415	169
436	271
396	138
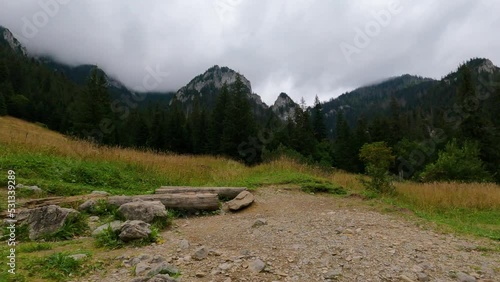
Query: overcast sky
301	47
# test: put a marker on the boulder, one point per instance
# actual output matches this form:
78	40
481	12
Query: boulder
243	200
134	230
145	211
115	226
87	205
46	220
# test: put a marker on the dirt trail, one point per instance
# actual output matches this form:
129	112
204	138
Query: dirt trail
315	238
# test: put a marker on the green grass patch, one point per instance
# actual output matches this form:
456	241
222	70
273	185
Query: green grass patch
482	223
323	188
58	175
57	267
34	247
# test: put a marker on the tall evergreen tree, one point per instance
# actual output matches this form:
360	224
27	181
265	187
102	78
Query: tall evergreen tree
3	105
93	108
217	120
318	121
239	123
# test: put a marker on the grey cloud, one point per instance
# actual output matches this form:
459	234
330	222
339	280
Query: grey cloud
279	45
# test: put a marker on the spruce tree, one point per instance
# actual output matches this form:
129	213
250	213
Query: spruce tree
319	121
3	105
217	120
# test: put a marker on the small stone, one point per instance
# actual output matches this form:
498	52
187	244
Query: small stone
463	277
225	266
333	274
257	265
348	231
157	259
200	274
78	256
103	193
200	253
93	218
141	268
163	268
184	244
423	277
259	222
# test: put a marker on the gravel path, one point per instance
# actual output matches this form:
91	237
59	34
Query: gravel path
301	237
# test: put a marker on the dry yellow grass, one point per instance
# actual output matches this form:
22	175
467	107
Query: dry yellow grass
451	195
208	169
439	195
30	137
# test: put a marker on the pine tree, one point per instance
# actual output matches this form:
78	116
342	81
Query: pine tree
217	120
93	108
239	124
395	122
157	134
3	106
318	121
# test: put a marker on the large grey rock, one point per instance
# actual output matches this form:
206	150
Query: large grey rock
145	211
134	230
46	220
115	226
243	200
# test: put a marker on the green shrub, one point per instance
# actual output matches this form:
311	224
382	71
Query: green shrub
108	239
323	188
378	158
457	163
58	267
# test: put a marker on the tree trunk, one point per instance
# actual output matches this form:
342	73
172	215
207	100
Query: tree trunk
223	192
186	201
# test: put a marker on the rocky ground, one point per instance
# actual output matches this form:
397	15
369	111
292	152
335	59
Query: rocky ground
287	235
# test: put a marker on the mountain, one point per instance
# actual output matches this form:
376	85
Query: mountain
206	87
7	37
412	93
284	107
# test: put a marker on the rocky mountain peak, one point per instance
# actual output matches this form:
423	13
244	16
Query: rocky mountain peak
284	106
211	79
8	37
487	66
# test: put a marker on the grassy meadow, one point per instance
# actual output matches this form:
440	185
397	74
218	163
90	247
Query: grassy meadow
63	166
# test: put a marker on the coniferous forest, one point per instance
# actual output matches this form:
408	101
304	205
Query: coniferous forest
444	129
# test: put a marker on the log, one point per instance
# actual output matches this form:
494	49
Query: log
185	201
223	192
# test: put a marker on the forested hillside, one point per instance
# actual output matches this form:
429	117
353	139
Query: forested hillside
438	130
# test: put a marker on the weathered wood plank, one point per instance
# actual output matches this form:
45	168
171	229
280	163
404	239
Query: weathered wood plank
223	192
185	201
